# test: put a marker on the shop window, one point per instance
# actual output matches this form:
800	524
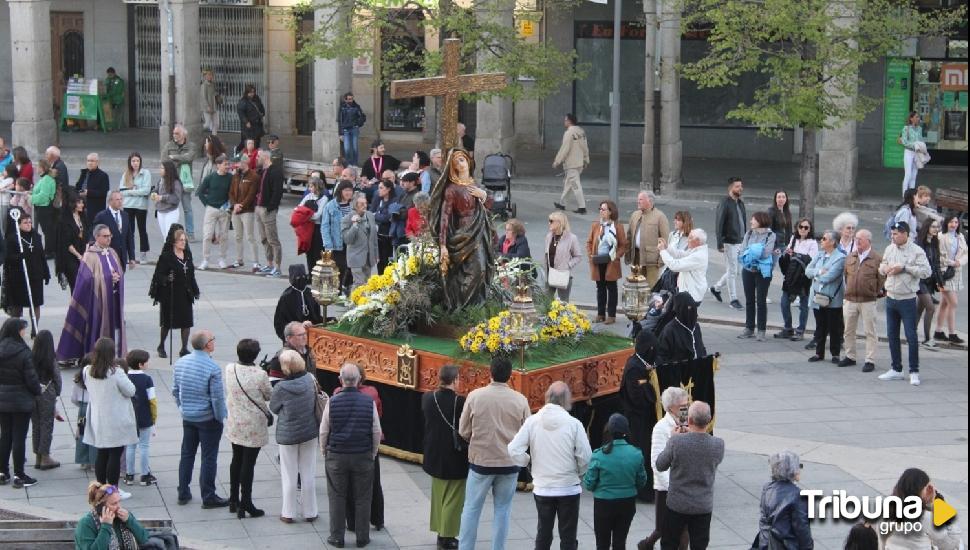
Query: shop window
940	98
710	106
406	115
594	47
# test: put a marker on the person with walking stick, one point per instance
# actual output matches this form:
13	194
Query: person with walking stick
174	288
97	303
24	263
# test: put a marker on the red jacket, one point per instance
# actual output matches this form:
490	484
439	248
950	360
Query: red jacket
415	223
302	222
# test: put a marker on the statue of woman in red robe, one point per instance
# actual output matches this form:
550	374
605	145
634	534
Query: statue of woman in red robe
460	225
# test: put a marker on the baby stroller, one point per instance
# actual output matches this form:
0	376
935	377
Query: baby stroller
497	179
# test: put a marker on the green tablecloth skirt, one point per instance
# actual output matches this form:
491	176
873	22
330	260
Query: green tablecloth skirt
447	499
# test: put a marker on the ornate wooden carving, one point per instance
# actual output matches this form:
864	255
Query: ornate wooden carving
587	378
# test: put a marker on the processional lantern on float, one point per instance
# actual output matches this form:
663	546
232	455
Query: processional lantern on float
325	282
636	294
523	311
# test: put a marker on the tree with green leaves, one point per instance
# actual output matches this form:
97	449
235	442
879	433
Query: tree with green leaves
811	52
490	43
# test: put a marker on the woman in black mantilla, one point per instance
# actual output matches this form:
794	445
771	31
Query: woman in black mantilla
15	297
460	224
638	401
174	288
71	241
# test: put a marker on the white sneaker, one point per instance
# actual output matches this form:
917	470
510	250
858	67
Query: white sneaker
203	266
929	343
892	375
125	495
144	257
222	264
914	379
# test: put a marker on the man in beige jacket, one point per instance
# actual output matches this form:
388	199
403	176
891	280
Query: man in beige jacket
573	155
647	226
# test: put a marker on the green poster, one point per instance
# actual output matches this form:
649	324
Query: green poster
81	106
962	100
899	82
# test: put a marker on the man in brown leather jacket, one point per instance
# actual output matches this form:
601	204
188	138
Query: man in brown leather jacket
863	287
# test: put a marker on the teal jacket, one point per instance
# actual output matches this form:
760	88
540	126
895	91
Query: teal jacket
618	474
89	537
43	192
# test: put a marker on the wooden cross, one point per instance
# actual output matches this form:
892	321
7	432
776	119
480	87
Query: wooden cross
450	86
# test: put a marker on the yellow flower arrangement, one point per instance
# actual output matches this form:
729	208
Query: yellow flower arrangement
562	321
383	290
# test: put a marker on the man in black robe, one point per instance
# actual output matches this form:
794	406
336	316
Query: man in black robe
638	401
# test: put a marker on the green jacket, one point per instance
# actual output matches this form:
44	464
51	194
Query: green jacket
214	190
618	474
87	537
114	89
43	192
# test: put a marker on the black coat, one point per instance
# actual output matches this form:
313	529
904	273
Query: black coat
97	186
123	240
290	308
796	283
175	297
441	459
729	229
14	286
62	177
251	111
272	186
929	284
69	234
18	379
350	116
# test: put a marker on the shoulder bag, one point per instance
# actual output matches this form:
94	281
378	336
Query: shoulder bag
269	415
321	401
456	440
557	278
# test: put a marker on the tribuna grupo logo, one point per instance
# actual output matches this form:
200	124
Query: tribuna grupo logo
887	513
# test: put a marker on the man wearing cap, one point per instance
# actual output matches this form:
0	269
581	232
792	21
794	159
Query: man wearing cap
275	153
903	264
560	456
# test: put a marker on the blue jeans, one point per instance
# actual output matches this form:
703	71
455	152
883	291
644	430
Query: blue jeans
905	311
207	434
144	440
351	137
476	488
786	300
187	209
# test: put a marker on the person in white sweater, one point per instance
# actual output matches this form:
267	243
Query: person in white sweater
689	264
560	457
674	400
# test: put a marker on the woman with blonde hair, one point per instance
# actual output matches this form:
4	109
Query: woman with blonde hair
562	253
108	525
294	401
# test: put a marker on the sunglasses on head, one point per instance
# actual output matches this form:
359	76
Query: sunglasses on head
110	490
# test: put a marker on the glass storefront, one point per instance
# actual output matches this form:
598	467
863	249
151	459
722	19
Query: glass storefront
405	115
940	98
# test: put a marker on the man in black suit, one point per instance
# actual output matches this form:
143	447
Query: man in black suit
93	187
122	231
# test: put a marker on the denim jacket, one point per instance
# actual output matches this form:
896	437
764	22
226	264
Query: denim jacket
330	226
831	282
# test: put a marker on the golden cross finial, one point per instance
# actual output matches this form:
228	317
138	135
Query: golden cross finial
450	87
689	388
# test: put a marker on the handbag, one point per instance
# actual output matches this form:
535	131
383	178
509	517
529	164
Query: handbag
601	259
948	273
269	415
185	176
321	402
457	442
823	300
558	278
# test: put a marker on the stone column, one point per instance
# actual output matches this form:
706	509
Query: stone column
183	55
838	164
671	147
838	154
496	127
33	126
331	79
280	96
649	84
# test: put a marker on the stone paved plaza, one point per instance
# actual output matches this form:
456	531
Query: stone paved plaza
852	431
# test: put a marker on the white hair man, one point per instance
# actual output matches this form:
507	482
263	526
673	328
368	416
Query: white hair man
674	400
181	151
350	433
692	456
690	264
560	457
53	155
863	288
648	225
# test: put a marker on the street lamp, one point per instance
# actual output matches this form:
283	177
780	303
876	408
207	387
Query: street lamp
325	282
636	294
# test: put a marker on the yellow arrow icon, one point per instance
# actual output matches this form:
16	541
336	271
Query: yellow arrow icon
942	512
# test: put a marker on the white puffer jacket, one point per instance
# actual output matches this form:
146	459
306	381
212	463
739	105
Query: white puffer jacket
560	449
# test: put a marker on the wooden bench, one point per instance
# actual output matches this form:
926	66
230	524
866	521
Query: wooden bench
297	173
48	534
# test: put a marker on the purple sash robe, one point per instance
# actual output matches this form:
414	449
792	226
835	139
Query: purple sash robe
96	308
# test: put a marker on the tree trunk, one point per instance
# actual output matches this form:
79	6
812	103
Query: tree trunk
808	175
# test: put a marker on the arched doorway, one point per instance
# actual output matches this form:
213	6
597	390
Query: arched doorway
67	51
